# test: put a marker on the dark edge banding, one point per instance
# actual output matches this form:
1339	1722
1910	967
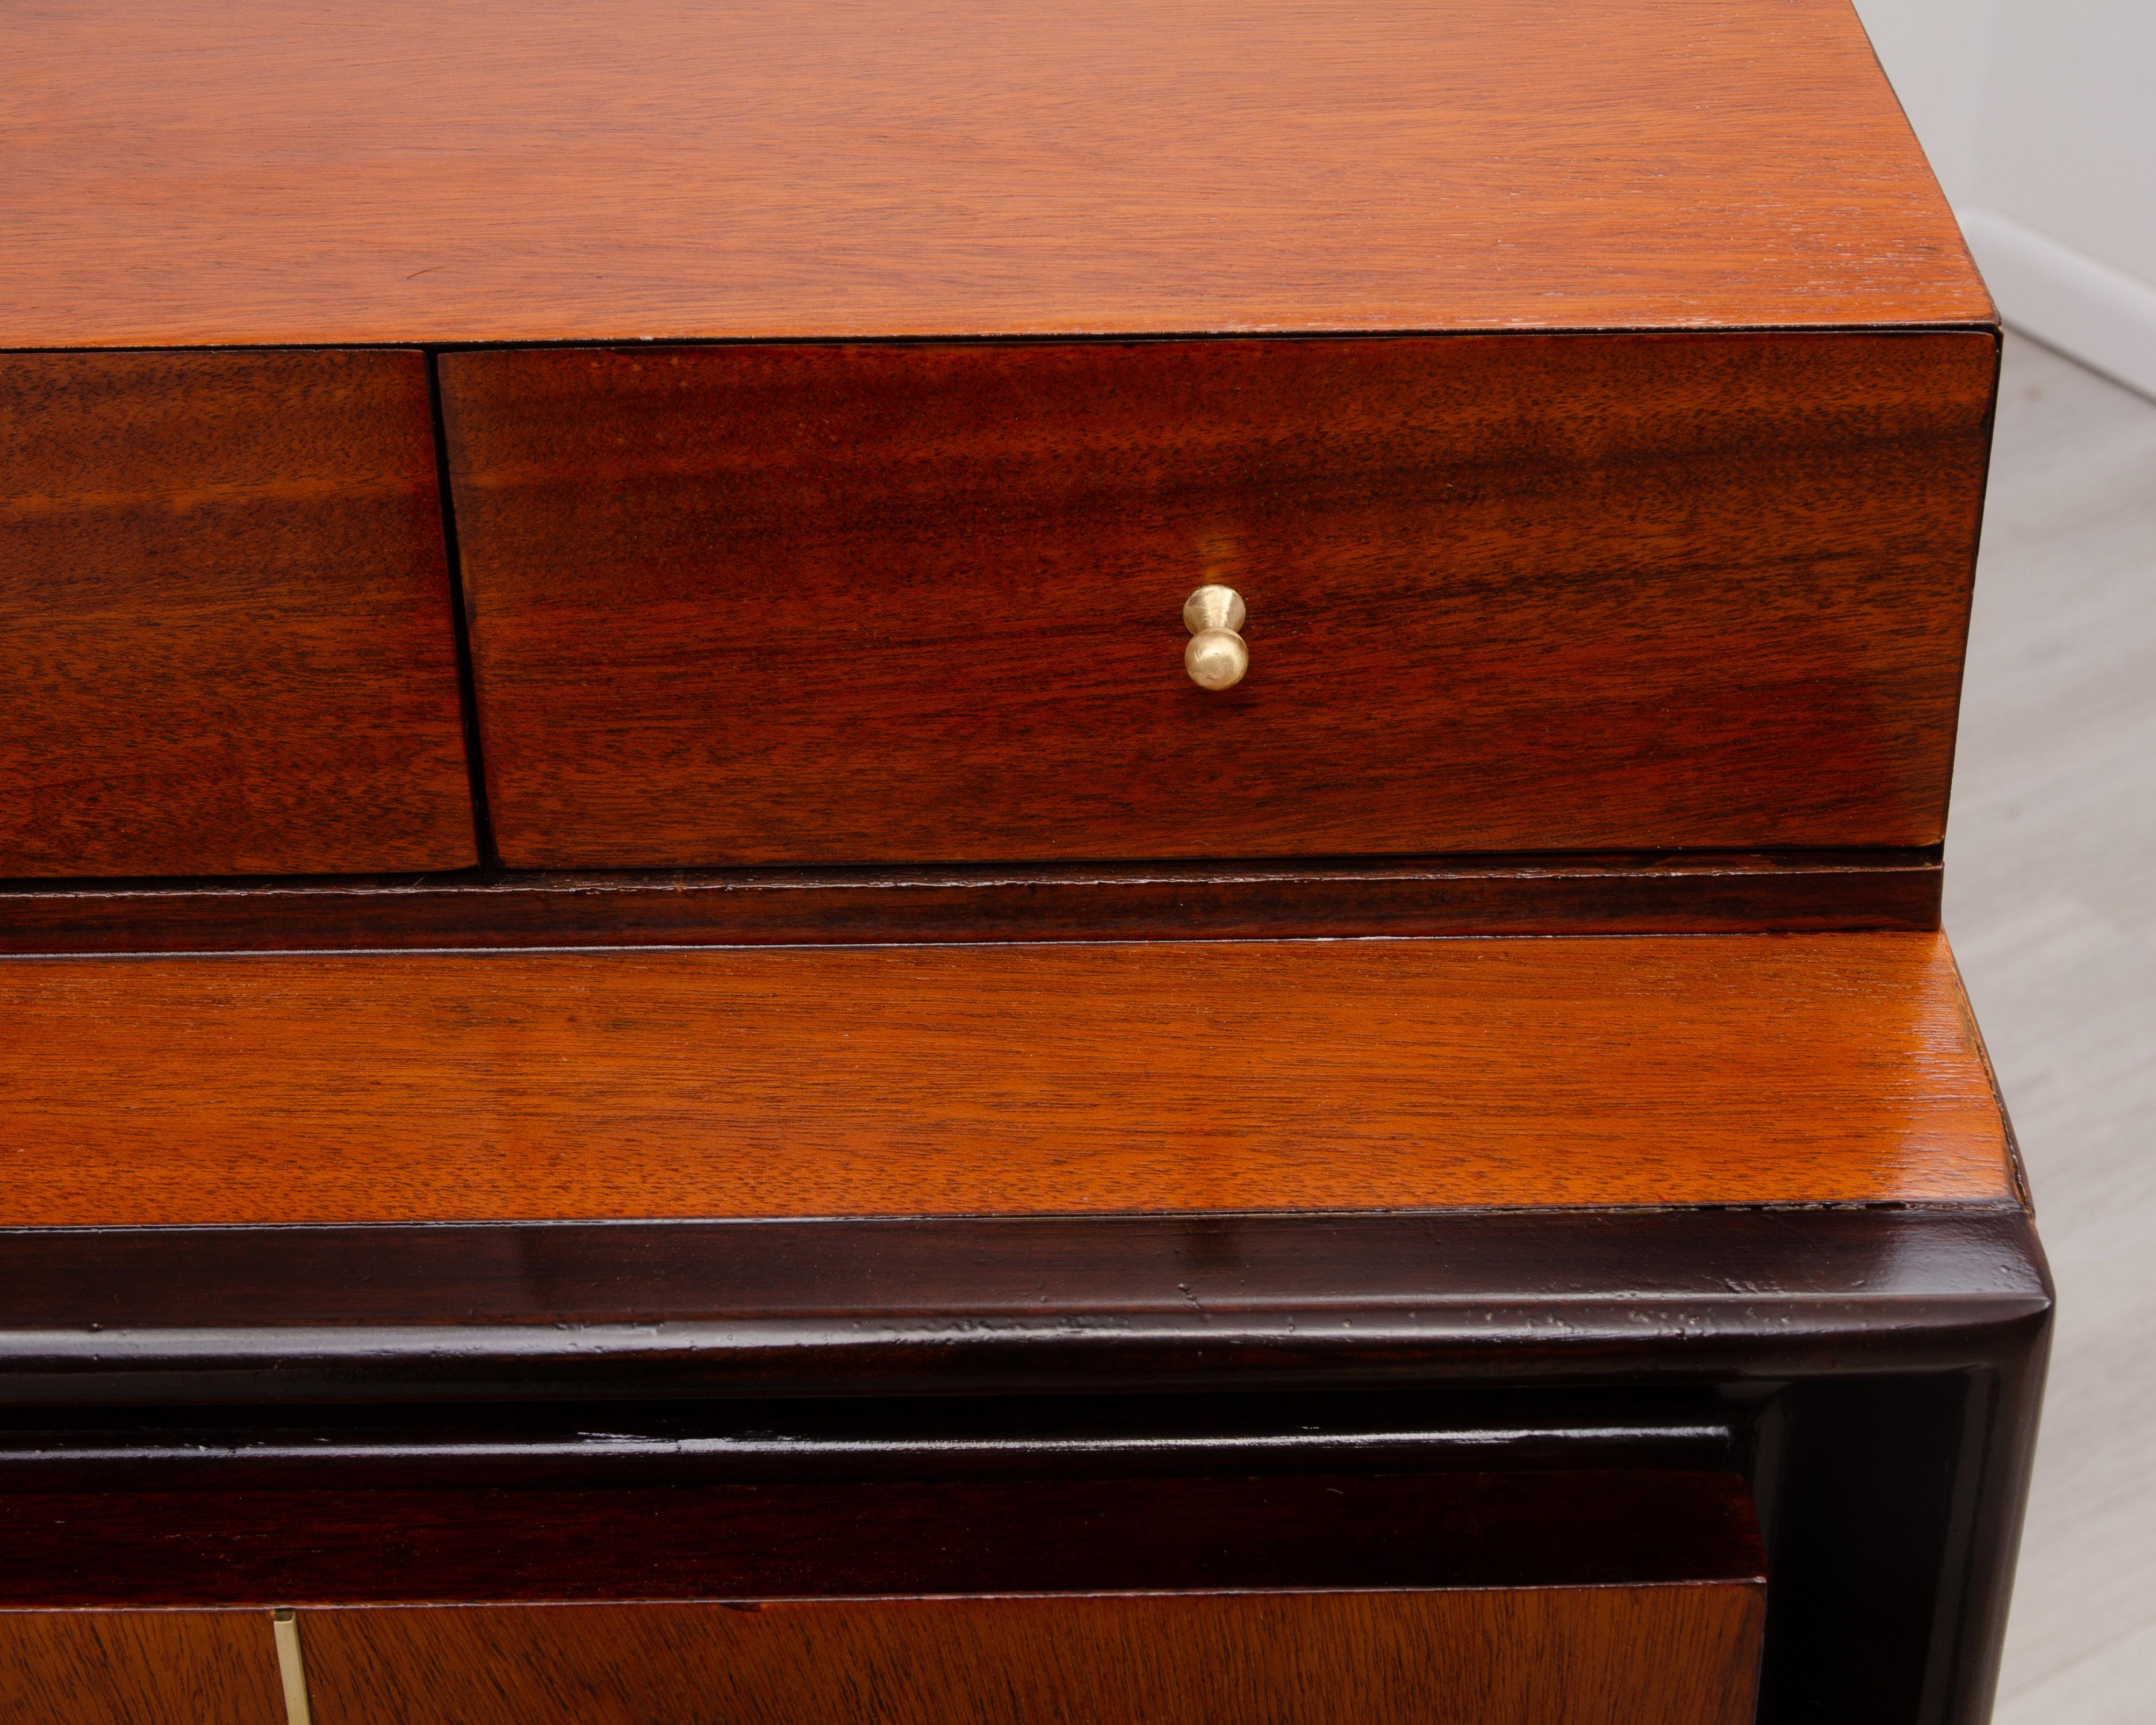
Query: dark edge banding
1671	893
994	1305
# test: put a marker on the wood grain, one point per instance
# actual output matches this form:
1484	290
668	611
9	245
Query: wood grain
841	1538
957	1079
127	1668
495	170
821	604
1880	1364
1678	1655
230	640
1578	894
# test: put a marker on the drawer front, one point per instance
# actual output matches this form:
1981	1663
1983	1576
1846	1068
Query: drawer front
1607	1656
133	1667
856	603
227	614
1568	1596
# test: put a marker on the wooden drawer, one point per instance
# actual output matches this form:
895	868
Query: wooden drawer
919	602
1531	1598
1676	1655
230	640
1605	1655
128	1667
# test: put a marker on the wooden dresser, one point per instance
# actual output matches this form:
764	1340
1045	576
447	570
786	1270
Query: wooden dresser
990	862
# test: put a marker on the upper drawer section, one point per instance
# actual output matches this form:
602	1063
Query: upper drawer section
831	604
226	615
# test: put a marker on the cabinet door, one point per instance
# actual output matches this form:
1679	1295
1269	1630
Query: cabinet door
1605	1656
1532	1596
1525	1598
230	644
139	1668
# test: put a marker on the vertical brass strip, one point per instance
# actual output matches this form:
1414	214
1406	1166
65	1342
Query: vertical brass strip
291	1667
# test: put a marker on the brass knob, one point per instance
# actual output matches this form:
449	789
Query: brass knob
1216	657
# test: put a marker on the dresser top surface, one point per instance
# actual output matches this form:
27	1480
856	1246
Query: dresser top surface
393	172
1150	1078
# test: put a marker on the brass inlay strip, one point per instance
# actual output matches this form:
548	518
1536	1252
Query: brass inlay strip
291	1667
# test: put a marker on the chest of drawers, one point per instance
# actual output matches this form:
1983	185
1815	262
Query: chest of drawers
991	863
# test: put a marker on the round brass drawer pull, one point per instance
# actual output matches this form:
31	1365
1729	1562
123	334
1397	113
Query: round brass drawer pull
1216	657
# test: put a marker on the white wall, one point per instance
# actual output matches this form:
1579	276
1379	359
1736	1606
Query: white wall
1935	51
2039	118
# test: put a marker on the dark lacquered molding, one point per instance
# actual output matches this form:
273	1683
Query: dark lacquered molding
1002	1305
607	1445
1874	1374
852	1540
1808	891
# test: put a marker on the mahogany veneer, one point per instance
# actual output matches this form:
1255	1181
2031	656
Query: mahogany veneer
121	1668
503	171
1540	1597
961	1080
819	412
1607	1656
828	605
231	648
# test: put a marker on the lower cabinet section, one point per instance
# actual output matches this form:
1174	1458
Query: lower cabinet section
1527	1596
139	1668
1682	1653
1728	1467
1669	1655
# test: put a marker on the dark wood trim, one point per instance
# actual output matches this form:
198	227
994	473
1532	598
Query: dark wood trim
1003	1305
1675	892
835	1539
1877	1370
1873	1373
605	1444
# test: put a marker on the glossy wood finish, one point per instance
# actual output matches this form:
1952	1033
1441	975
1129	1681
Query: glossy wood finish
518	172
230	644
126	1668
161	1455
1705	595
956	1080
838	1539
1678	1655
1683	893
1875	1370
1000	1305
889	602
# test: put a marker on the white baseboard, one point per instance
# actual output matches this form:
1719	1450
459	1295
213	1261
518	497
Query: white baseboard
2065	298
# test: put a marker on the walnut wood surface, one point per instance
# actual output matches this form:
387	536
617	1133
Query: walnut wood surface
127	1668
956	1080
841	1538
1676	1656
494	170
891	603
230	642
1577	894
